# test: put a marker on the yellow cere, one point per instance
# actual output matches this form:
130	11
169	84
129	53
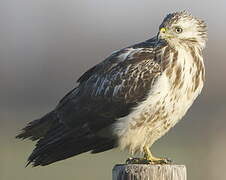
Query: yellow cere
163	30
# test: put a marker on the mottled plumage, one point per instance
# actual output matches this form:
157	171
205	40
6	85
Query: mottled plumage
130	99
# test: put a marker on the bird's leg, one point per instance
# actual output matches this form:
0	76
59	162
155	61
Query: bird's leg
154	160
148	158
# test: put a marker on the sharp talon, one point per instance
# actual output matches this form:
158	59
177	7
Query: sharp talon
154	160
147	161
162	161
137	161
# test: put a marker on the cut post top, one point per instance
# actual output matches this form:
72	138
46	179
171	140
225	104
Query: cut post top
149	172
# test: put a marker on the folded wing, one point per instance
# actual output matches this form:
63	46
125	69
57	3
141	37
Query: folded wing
105	93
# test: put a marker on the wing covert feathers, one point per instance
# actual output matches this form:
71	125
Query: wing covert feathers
106	92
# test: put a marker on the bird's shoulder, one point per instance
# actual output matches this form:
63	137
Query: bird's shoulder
136	54
125	76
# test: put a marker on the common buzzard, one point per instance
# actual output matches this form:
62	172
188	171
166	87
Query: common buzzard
129	100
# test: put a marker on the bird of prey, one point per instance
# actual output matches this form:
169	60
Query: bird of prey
130	99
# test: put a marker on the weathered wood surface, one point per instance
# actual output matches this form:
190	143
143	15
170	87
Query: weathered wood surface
149	172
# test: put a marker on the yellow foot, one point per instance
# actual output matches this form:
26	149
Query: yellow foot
160	161
132	160
153	160
147	161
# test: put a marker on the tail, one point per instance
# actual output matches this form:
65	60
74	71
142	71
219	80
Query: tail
56	141
62	144
38	128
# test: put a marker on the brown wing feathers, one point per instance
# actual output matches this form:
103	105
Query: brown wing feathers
106	92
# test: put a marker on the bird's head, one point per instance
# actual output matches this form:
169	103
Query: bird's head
181	28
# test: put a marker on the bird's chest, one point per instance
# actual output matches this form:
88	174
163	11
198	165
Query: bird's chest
167	102
175	90
185	82
171	96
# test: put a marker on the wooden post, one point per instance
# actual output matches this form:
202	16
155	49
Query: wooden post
149	172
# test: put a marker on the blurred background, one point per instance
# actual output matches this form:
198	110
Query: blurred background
45	45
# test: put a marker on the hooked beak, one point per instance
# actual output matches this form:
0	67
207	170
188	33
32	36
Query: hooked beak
161	33
164	34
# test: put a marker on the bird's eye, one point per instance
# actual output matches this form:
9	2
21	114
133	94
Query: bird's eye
178	30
